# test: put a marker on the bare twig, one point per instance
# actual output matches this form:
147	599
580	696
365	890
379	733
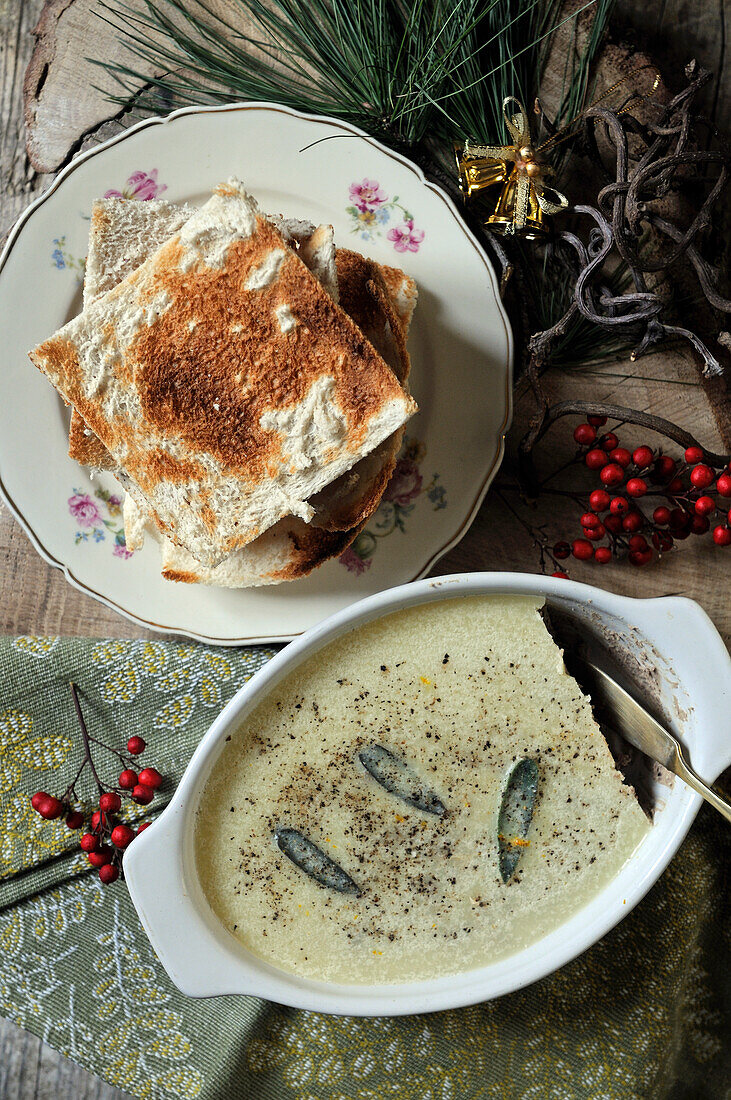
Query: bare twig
626	227
85	736
550	414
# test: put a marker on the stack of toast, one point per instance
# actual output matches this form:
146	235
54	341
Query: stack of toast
245	381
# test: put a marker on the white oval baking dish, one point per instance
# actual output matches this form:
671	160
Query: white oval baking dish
668	645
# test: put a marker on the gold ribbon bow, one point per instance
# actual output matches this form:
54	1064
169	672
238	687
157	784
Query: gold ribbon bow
525	197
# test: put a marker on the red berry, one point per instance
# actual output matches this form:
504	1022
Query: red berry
621	456
642	457
599	500
108	873
89	842
679	519
632	522
661	540
613	524
98	821
595	533
693	455
722	536
136	745
122	835
612	474
110	802
597	421
146	824
728	517
590	520
701	476
49	807
698	526
558	573
142	794
618	506
38	798
724	485
663	469
640	557
582	549
127	779
602	555
704	506
74	820
100	856
150	777
608	442
675	486
661	516
638	542
584	434
636	487
561	550
596	459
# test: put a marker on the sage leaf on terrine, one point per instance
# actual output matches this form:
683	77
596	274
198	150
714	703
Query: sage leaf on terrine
516	814
314	862
398	778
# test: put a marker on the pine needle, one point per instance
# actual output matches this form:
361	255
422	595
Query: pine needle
400	70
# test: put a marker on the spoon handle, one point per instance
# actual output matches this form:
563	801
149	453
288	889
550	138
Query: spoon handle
688	776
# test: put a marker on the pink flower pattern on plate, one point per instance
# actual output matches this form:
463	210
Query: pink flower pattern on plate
93	526
84	510
367	194
405	238
399	501
405	483
140	185
371	210
353	562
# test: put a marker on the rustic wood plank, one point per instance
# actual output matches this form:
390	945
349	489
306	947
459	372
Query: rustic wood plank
18	179
36	598
678	32
67	94
29	1068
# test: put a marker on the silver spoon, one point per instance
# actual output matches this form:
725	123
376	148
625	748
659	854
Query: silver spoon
642	731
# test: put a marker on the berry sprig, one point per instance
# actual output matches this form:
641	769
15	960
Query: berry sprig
106	837
687	498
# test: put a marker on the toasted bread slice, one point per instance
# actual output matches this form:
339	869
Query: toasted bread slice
402	292
287	551
122	234
224	380
367	297
292	549
125	232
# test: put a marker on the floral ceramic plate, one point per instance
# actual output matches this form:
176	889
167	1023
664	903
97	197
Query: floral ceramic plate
378	203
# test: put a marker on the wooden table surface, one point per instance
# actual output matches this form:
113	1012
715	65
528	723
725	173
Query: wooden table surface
34	598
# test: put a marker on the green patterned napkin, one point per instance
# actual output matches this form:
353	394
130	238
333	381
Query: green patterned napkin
640	1015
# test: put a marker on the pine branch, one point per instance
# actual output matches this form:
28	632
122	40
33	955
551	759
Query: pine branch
400	70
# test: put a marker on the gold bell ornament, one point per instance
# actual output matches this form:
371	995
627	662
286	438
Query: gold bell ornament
525	199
